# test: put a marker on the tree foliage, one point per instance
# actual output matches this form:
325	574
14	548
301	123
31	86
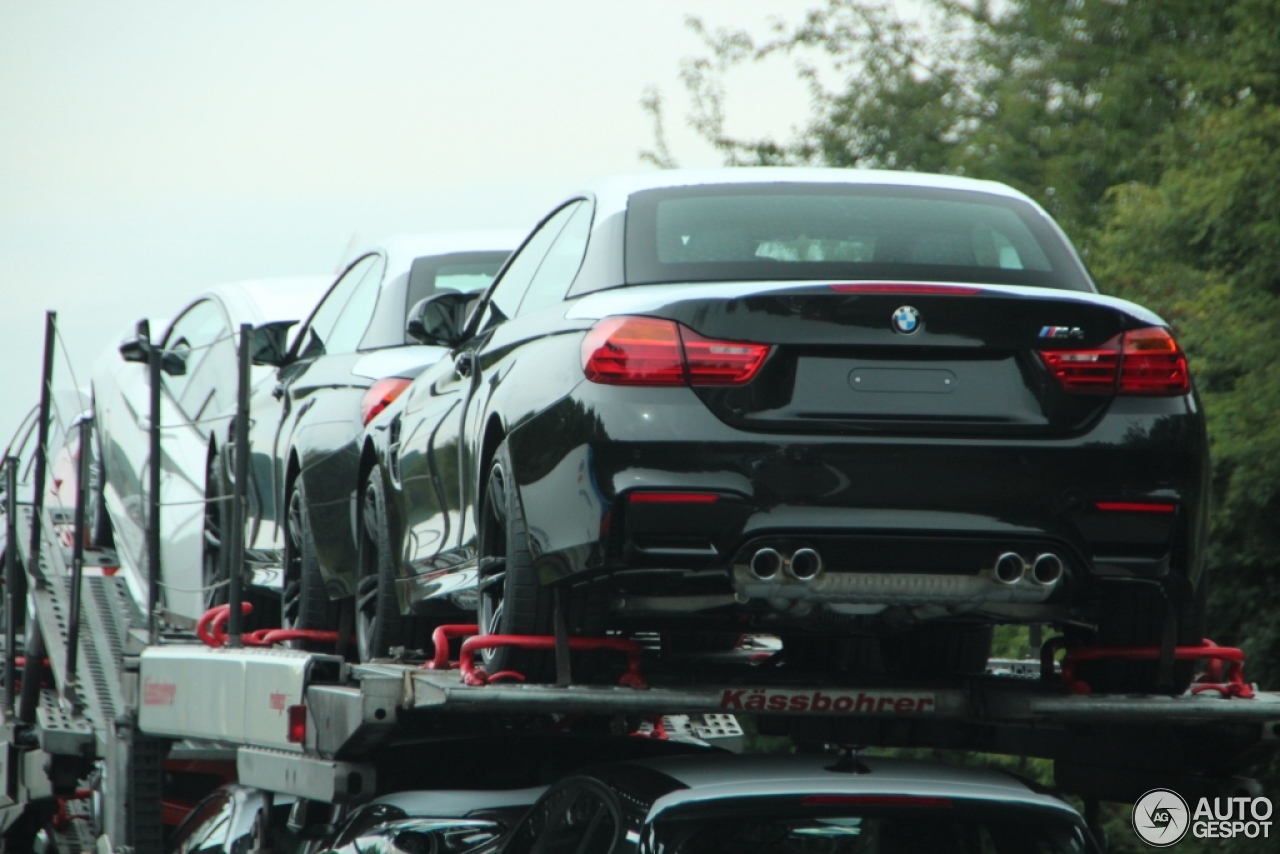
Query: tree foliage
1150	129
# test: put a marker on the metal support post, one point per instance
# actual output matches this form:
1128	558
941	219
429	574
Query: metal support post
14	586
564	674
153	483
240	454
77	563
42	444
33	671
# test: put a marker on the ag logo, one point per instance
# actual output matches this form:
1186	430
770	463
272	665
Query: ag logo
1160	818
906	320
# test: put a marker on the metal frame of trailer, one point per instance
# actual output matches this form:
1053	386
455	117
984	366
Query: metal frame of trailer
108	691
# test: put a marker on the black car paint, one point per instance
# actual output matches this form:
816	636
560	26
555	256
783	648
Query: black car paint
848	482
307	427
587	444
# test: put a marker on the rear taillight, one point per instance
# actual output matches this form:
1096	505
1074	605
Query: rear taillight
379	397
656	352
1084	370
1153	364
1144	361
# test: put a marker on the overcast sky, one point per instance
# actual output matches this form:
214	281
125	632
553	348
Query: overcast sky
149	150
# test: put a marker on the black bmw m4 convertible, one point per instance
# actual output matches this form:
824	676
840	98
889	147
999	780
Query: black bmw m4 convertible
873	413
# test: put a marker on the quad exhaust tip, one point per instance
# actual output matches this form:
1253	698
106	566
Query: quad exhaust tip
1047	569
806	565
1010	567
766	564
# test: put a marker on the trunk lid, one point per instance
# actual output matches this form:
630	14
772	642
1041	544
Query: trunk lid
896	358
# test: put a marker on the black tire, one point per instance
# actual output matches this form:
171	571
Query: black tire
517	604
304	603
215	558
1135	615
378	621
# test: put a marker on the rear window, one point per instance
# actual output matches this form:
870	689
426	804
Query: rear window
465	272
763	232
771	826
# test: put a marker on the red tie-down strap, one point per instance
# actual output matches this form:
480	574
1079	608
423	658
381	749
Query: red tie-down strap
440	640
211	628
473	675
1221	658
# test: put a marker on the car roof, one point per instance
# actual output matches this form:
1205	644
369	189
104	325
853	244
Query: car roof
611	192
458	803
716	777
267	300
402	250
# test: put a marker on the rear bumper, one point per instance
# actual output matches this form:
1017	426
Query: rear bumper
870	503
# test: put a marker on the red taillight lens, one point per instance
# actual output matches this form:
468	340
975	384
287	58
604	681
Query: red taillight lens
1144	361
721	362
633	351
1153	363
297	722
1084	370
906	289
379	397
656	352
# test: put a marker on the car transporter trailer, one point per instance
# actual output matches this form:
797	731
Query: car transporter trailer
99	693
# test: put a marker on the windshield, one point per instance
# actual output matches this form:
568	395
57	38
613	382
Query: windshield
763	232
867	825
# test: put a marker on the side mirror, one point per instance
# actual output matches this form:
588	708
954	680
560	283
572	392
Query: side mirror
270	344
136	349
439	319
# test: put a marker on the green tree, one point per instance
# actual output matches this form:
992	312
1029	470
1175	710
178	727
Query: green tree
1151	130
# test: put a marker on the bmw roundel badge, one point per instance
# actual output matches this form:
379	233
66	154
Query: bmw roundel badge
906	320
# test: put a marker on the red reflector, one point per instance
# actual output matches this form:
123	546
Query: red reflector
874	801
674	498
655	352
379	397
297	724
1153	364
906	289
1135	507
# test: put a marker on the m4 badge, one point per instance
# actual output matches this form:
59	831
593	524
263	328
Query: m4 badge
1061	332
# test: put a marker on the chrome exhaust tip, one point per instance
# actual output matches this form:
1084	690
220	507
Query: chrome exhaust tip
765	564
805	565
1010	567
1047	569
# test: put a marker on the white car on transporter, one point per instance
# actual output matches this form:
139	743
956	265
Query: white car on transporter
196	403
